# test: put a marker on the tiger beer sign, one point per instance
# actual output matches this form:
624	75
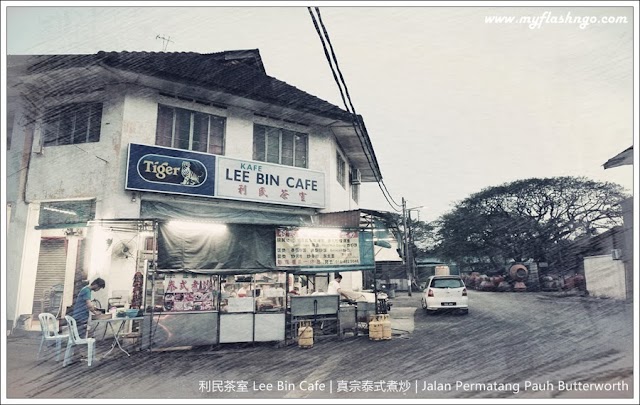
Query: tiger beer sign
167	170
177	171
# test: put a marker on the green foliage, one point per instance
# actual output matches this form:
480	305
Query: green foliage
421	234
526	219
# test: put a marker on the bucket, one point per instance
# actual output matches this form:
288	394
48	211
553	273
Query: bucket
375	329
386	327
305	335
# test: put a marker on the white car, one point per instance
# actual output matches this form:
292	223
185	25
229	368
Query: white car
445	293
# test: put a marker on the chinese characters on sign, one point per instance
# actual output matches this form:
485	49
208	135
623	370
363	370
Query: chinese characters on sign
269	183
316	247
190	292
175	171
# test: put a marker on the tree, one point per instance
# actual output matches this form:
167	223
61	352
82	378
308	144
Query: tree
526	219
422	237
420	233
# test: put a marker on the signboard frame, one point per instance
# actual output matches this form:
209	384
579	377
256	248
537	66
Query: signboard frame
160	169
248	170
317	247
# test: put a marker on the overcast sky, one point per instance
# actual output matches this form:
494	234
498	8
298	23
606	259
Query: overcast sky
452	104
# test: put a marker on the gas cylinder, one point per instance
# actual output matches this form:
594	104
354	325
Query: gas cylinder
375	329
386	327
305	335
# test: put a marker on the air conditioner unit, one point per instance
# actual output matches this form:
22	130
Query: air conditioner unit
356	176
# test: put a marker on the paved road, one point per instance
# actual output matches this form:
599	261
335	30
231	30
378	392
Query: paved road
508	340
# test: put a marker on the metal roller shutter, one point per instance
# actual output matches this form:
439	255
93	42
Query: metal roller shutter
51	269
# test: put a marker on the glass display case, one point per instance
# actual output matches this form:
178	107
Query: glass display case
216	308
270	292
252	307
181	310
260	292
236	294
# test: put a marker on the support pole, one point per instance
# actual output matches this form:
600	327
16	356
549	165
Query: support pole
405	245
154	263
412	262
375	278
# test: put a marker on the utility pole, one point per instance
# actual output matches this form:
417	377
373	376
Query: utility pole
412	267
405	245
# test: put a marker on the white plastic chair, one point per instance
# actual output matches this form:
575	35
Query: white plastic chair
52	300
74	339
49	327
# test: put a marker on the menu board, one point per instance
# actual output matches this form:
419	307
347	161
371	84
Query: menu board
317	247
190	292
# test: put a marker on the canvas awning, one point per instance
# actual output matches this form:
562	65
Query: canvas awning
211	248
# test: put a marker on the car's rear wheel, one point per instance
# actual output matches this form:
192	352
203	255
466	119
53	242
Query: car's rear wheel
464	311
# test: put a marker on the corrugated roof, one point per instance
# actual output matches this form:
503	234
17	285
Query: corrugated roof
237	73
229	71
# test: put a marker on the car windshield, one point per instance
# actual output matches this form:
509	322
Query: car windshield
446	283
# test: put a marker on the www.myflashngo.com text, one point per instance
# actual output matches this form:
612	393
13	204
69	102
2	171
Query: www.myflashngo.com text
547	17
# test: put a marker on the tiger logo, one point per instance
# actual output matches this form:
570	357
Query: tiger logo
190	178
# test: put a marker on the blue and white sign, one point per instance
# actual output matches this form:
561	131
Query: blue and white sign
250	180
177	171
167	170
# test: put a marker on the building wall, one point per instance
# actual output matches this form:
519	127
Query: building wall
17	155
84	171
23	245
627	248
98	170
132	118
18	213
339	196
605	277
239	133
351	280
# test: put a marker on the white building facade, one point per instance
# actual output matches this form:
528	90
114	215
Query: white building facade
74	211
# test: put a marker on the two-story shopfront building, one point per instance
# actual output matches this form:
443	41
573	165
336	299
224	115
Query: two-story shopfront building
191	183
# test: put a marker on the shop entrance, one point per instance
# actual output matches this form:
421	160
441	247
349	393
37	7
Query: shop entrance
50	276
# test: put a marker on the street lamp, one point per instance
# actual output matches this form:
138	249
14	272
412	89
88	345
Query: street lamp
415	209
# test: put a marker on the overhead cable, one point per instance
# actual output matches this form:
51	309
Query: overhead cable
355	121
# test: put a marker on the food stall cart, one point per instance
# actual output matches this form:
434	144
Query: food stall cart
216	283
316	309
252	308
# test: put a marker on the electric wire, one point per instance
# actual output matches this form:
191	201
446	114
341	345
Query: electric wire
357	126
353	114
346	89
355	121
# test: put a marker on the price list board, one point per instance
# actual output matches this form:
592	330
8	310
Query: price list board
317	247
